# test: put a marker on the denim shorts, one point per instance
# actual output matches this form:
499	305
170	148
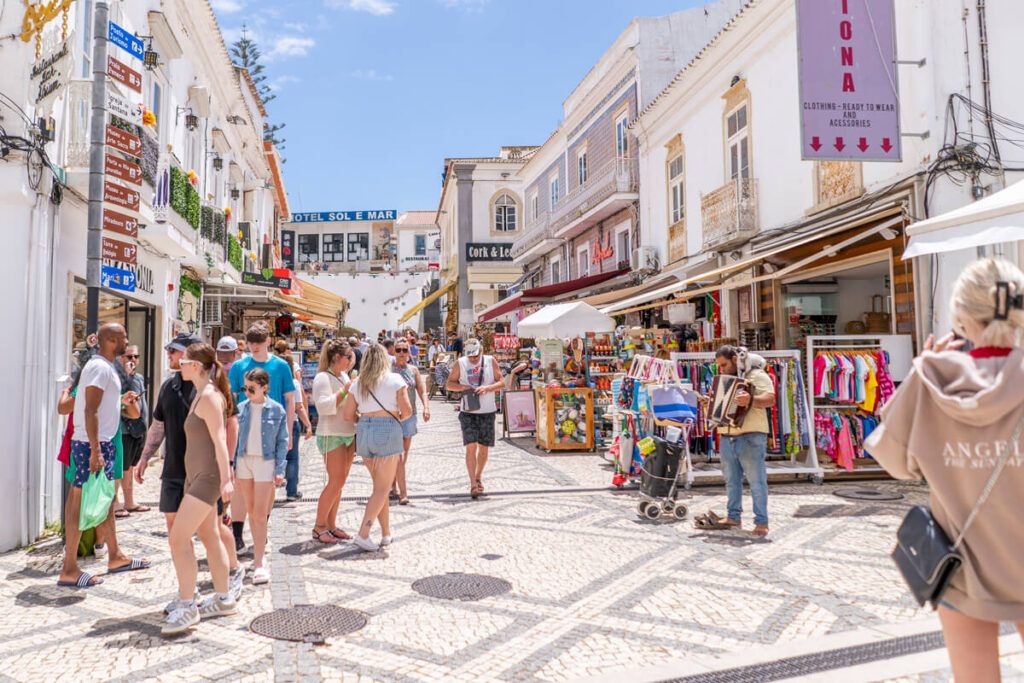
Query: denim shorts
409	428
378	437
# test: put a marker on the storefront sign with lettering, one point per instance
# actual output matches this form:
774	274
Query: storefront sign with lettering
482	251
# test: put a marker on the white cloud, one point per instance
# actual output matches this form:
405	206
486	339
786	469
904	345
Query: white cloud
295	26
380	8
279	82
227	6
290	46
371	75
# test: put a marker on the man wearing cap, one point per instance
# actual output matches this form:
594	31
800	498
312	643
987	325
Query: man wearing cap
227	351
480	375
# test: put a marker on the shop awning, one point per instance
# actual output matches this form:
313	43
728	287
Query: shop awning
314	302
506	305
546	293
561	321
429	299
995	219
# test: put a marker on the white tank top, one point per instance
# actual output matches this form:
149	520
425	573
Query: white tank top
487	402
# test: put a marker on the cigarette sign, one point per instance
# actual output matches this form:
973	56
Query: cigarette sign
124	142
118	106
122	169
121	73
120	223
849	101
119	251
121	196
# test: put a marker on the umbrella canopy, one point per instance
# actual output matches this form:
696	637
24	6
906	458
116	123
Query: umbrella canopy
995	219
560	321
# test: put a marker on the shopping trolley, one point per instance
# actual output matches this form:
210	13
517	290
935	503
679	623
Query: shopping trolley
664	473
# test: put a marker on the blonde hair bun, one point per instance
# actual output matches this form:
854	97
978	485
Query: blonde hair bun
975	298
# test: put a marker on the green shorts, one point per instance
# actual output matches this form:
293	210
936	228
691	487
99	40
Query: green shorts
326	444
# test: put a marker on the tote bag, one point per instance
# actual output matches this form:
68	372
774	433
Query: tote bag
97	495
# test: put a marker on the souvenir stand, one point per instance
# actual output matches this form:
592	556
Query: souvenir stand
565	414
851	378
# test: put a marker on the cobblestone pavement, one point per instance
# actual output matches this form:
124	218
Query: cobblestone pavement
595	590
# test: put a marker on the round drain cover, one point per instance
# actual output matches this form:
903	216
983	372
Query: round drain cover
867	494
458	586
308	623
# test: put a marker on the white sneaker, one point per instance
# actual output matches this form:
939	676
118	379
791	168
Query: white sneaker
385	541
177	602
235	583
182	618
365	544
215	607
99	551
260	575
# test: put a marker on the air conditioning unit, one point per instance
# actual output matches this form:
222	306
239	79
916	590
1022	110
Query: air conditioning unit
212	312
644	260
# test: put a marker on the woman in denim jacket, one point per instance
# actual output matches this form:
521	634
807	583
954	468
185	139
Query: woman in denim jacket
260	460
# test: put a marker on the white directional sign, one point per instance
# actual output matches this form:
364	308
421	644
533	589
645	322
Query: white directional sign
122	108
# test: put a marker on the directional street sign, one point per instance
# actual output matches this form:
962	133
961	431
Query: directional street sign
121	196
125	40
118	106
117	278
119	251
120	223
122	169
121	73
124	142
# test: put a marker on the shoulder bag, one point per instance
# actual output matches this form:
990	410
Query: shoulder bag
399	421
471	399
923	553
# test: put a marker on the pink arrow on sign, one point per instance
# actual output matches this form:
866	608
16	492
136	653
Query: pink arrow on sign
839	144
815	143
886	145
863	145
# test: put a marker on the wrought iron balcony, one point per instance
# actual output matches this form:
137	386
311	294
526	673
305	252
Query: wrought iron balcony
729	215
575	211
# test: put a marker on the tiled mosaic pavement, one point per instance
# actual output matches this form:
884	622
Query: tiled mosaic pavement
595	590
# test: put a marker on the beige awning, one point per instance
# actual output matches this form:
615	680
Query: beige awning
444	289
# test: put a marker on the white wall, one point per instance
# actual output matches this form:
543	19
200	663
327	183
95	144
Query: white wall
376	301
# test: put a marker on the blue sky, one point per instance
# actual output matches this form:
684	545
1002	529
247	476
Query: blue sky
377	93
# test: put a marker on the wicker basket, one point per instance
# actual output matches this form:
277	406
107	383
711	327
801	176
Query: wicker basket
878	319
856	327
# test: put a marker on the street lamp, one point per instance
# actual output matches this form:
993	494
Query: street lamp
191	120
234	193
218	163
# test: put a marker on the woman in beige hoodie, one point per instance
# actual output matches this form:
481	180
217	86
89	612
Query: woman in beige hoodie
948	423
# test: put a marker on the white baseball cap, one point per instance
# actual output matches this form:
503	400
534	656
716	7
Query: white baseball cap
227	344
472	347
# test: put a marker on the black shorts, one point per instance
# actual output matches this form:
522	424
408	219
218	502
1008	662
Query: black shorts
171	493
132	449
477	428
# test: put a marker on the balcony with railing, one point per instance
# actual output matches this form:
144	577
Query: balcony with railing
607	191
729	215
537	234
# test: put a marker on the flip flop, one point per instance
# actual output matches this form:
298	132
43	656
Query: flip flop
403	501
133	566
85	580
139	508
319	536
760	530
339	534
121	514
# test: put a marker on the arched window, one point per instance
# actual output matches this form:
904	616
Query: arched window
505	218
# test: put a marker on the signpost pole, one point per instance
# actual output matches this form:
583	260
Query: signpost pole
97	147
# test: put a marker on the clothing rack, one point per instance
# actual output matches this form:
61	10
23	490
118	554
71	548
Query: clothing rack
839	343
797	465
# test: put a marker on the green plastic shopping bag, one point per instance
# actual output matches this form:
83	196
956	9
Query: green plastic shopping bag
97	495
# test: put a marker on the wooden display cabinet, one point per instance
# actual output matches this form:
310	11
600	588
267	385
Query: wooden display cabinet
565	419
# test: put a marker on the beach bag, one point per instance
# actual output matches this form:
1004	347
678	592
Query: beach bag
97	495
672	402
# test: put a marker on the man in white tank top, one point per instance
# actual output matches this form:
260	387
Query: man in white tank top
481	375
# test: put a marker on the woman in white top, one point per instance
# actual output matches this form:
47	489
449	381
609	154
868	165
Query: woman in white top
382	402
335	436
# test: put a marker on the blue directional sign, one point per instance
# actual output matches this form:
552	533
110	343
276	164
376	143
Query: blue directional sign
117	278
125	40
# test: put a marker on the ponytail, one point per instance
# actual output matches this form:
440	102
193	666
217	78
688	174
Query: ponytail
220	380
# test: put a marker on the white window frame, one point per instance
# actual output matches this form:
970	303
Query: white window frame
676	191
583	261
534	205
619	256
502	225
740	140
416	245
555	269
582	165
553	190
622	135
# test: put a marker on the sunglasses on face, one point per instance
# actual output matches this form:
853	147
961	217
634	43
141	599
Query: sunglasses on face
251	390
187	361
401	350
131	356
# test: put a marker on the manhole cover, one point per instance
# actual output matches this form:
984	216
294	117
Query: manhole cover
308	623
458	586
867	494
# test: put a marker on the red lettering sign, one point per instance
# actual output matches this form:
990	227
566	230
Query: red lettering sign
121	73
123	169
122	196
120	251
598	253
124	142
120	223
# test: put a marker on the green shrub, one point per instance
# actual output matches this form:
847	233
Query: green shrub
235	253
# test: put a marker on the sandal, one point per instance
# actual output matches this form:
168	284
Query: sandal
134	565
339	534
121	514
480	485
319	536
760	530
475	491
84	580
403	501
139	508
712	522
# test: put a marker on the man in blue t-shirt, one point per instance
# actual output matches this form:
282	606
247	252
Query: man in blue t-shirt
282	384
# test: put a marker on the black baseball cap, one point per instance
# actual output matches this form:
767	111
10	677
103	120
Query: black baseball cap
183	340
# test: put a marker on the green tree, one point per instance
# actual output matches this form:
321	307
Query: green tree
245	52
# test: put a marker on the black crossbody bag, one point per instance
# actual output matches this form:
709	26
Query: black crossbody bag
924	554
399	421
470	397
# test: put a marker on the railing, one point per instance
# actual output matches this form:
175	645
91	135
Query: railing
729	215
618	175
539	230
79	106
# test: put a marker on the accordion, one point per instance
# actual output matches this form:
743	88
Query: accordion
722	408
